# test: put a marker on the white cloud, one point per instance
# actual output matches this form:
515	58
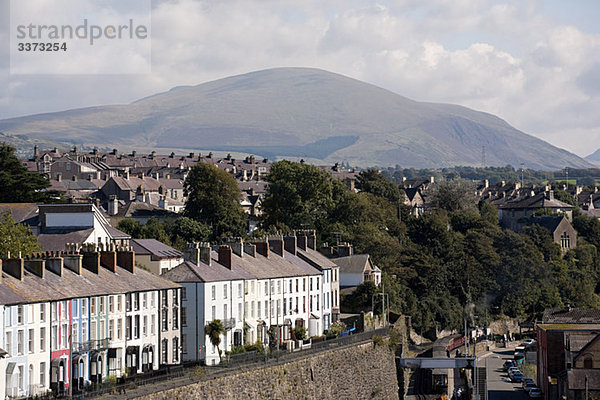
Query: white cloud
506	58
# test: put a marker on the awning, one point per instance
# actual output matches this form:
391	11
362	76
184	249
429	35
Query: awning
313	316
132	349
10	368
287	321
3	353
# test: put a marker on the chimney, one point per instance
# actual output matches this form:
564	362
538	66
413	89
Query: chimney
133	153
236	244
36	152
225	255
126	175
163	202
113	205
344	250
14	267
73	262
550	195
59	177
153	154
54	264
37	267
126	259
115	152
431	179
486	183
290	244
301	241
198	252
142	175
250	249
191	155
312	240
262	248
74	178
108	259
91	258
276	244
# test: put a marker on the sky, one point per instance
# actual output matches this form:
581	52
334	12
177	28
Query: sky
534	63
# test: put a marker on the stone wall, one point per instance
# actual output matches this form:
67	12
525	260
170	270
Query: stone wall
357	372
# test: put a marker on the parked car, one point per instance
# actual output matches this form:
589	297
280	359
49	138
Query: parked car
517	377
528	381
512	370
508	364
529	386
535	394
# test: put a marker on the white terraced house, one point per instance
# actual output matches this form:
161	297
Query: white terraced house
255	289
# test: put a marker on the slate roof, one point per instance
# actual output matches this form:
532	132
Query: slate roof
71	285
154	248
572	316
8	296
316	259
550	222
55	239
354	264
21	212
140	209
190	272
537	201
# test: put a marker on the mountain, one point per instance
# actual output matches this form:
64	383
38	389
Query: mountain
594	158
302	112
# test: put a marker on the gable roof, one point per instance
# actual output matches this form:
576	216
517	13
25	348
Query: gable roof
354	264
315	258
540	200
21	212
215	272
550	222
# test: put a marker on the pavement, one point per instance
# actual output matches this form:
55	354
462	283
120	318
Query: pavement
498	384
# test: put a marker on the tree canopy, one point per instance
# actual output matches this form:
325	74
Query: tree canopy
213	198
435	266
16	239
214	330
18	184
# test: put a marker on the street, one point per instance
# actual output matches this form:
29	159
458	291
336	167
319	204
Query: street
499	386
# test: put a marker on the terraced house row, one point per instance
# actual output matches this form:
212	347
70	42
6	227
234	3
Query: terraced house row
260	290
74	318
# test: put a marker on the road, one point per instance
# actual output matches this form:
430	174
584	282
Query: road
499	386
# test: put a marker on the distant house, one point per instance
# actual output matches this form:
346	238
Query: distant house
157	257
415	200
513	214
356	269
60	224
560	229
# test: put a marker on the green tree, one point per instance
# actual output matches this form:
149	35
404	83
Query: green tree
213	198
214	330
16	238
455	195
298	196
374	182
18	184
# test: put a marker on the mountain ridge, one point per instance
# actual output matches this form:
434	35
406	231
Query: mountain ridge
302	112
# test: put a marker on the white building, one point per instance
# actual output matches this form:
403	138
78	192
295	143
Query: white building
259	290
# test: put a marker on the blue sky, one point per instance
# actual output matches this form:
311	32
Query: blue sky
533	63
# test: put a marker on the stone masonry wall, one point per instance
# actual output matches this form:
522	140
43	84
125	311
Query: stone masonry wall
357	372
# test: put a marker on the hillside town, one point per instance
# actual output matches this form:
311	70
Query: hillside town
94	304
